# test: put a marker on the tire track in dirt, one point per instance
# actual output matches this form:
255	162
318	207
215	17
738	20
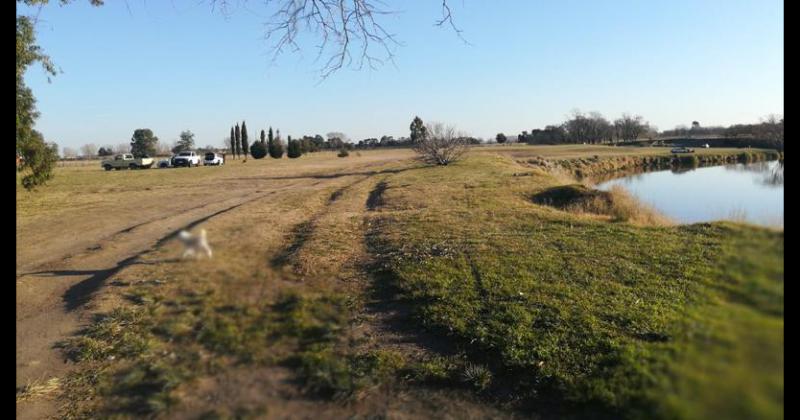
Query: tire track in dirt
304	230
384	321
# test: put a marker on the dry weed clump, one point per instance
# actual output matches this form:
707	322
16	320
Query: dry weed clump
616	203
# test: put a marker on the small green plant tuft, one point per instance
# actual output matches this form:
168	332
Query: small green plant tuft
478	376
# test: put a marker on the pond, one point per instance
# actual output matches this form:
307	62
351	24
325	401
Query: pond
750	192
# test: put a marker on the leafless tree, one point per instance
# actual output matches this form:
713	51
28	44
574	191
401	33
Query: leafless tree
441	144
349	31
122	148
630	127
591	128
772	127
164	148
88	150
69	153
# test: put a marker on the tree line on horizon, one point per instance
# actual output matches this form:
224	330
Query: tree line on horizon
579	128
594	128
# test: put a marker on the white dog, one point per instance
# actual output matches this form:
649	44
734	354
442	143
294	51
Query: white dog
195	244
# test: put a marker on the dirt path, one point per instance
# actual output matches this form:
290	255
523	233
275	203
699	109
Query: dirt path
56	291
383	323
62	266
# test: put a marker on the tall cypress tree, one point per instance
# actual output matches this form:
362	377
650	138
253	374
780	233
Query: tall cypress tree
233	143
238	140
262	136
271	137
245	144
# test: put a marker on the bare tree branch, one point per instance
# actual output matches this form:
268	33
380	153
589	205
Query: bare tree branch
447	17
350	32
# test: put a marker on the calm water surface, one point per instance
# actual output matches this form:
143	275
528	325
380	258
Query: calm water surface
752	192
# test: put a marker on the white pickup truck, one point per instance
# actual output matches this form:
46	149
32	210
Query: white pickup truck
126	161
186	158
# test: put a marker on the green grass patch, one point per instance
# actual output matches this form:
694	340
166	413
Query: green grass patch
622	320
135	358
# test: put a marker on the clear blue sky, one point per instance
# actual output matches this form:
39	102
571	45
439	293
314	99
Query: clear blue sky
175	65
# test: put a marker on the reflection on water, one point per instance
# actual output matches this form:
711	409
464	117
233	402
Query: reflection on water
750	192
775	176
638	171
770	173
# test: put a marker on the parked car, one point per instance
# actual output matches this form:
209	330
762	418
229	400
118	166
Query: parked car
187	158
126	161
215	159
706	146
165	163
682	150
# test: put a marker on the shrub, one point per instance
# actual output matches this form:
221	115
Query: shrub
441	145
343	153
258	150
275	148
293	150
616	203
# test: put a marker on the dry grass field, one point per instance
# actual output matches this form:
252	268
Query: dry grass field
346	288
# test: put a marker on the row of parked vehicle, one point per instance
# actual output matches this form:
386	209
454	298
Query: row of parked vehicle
189	158
687	150
185	159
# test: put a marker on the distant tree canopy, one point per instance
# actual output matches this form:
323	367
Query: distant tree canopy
500	138
629	127
594	128
69	153
418	130
105	152
143	143
591	128
88	150
186	142
767	133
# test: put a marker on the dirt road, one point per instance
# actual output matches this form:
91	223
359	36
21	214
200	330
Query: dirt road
67	258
